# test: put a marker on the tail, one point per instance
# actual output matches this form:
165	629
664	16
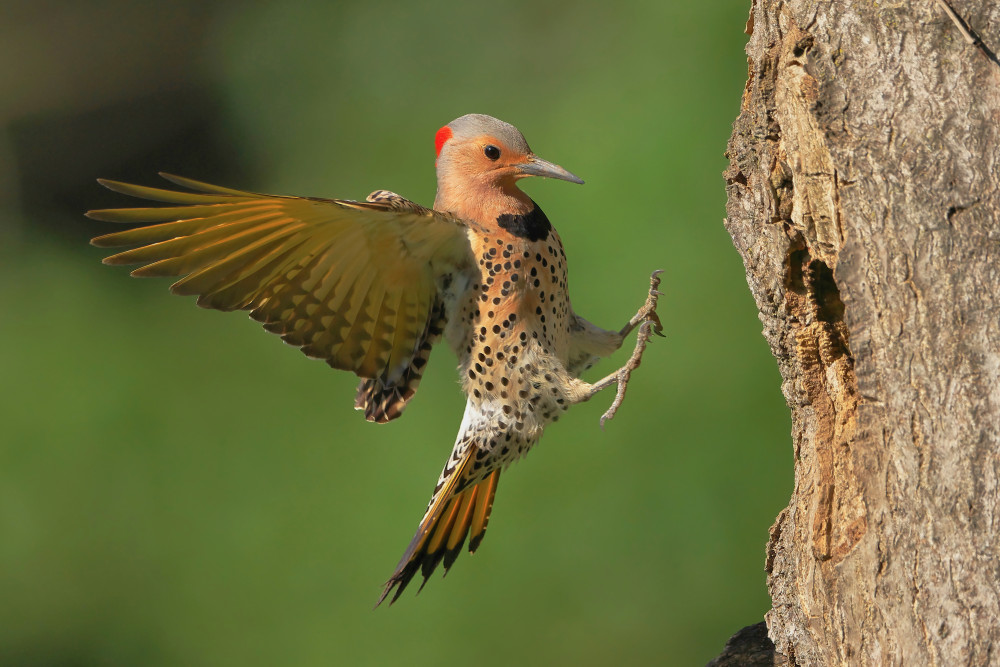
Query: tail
459	510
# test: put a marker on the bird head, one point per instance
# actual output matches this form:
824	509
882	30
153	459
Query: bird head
480	151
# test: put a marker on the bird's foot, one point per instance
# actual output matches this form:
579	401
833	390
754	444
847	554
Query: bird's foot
649	323
647	313
622	375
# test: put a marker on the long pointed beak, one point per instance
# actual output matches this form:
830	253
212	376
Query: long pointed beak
536	166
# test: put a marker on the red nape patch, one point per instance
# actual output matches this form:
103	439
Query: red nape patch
441	138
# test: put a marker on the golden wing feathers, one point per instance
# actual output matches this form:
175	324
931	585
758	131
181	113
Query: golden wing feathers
353	283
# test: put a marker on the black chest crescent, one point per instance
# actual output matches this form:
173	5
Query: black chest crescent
534	225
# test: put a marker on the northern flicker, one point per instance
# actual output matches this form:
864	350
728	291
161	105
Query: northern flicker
370	286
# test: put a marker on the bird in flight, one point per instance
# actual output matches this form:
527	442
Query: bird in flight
371	286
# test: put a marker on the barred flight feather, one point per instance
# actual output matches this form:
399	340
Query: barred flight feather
352	283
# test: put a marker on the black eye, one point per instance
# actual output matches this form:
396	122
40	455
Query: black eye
492	152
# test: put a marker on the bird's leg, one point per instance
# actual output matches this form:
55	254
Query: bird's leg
622	375
649	323
648	310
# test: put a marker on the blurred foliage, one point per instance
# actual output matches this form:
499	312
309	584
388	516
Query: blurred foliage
178	488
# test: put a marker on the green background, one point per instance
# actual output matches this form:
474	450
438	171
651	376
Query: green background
179	488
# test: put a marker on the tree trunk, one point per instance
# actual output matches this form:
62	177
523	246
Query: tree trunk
863	197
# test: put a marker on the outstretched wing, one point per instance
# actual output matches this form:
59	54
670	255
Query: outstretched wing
352	283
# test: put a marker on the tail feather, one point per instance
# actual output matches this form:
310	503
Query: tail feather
481	515
457	512
460	528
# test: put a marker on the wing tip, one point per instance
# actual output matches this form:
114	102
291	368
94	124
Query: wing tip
114	186
112	240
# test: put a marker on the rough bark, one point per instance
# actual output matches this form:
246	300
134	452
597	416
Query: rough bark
864	190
